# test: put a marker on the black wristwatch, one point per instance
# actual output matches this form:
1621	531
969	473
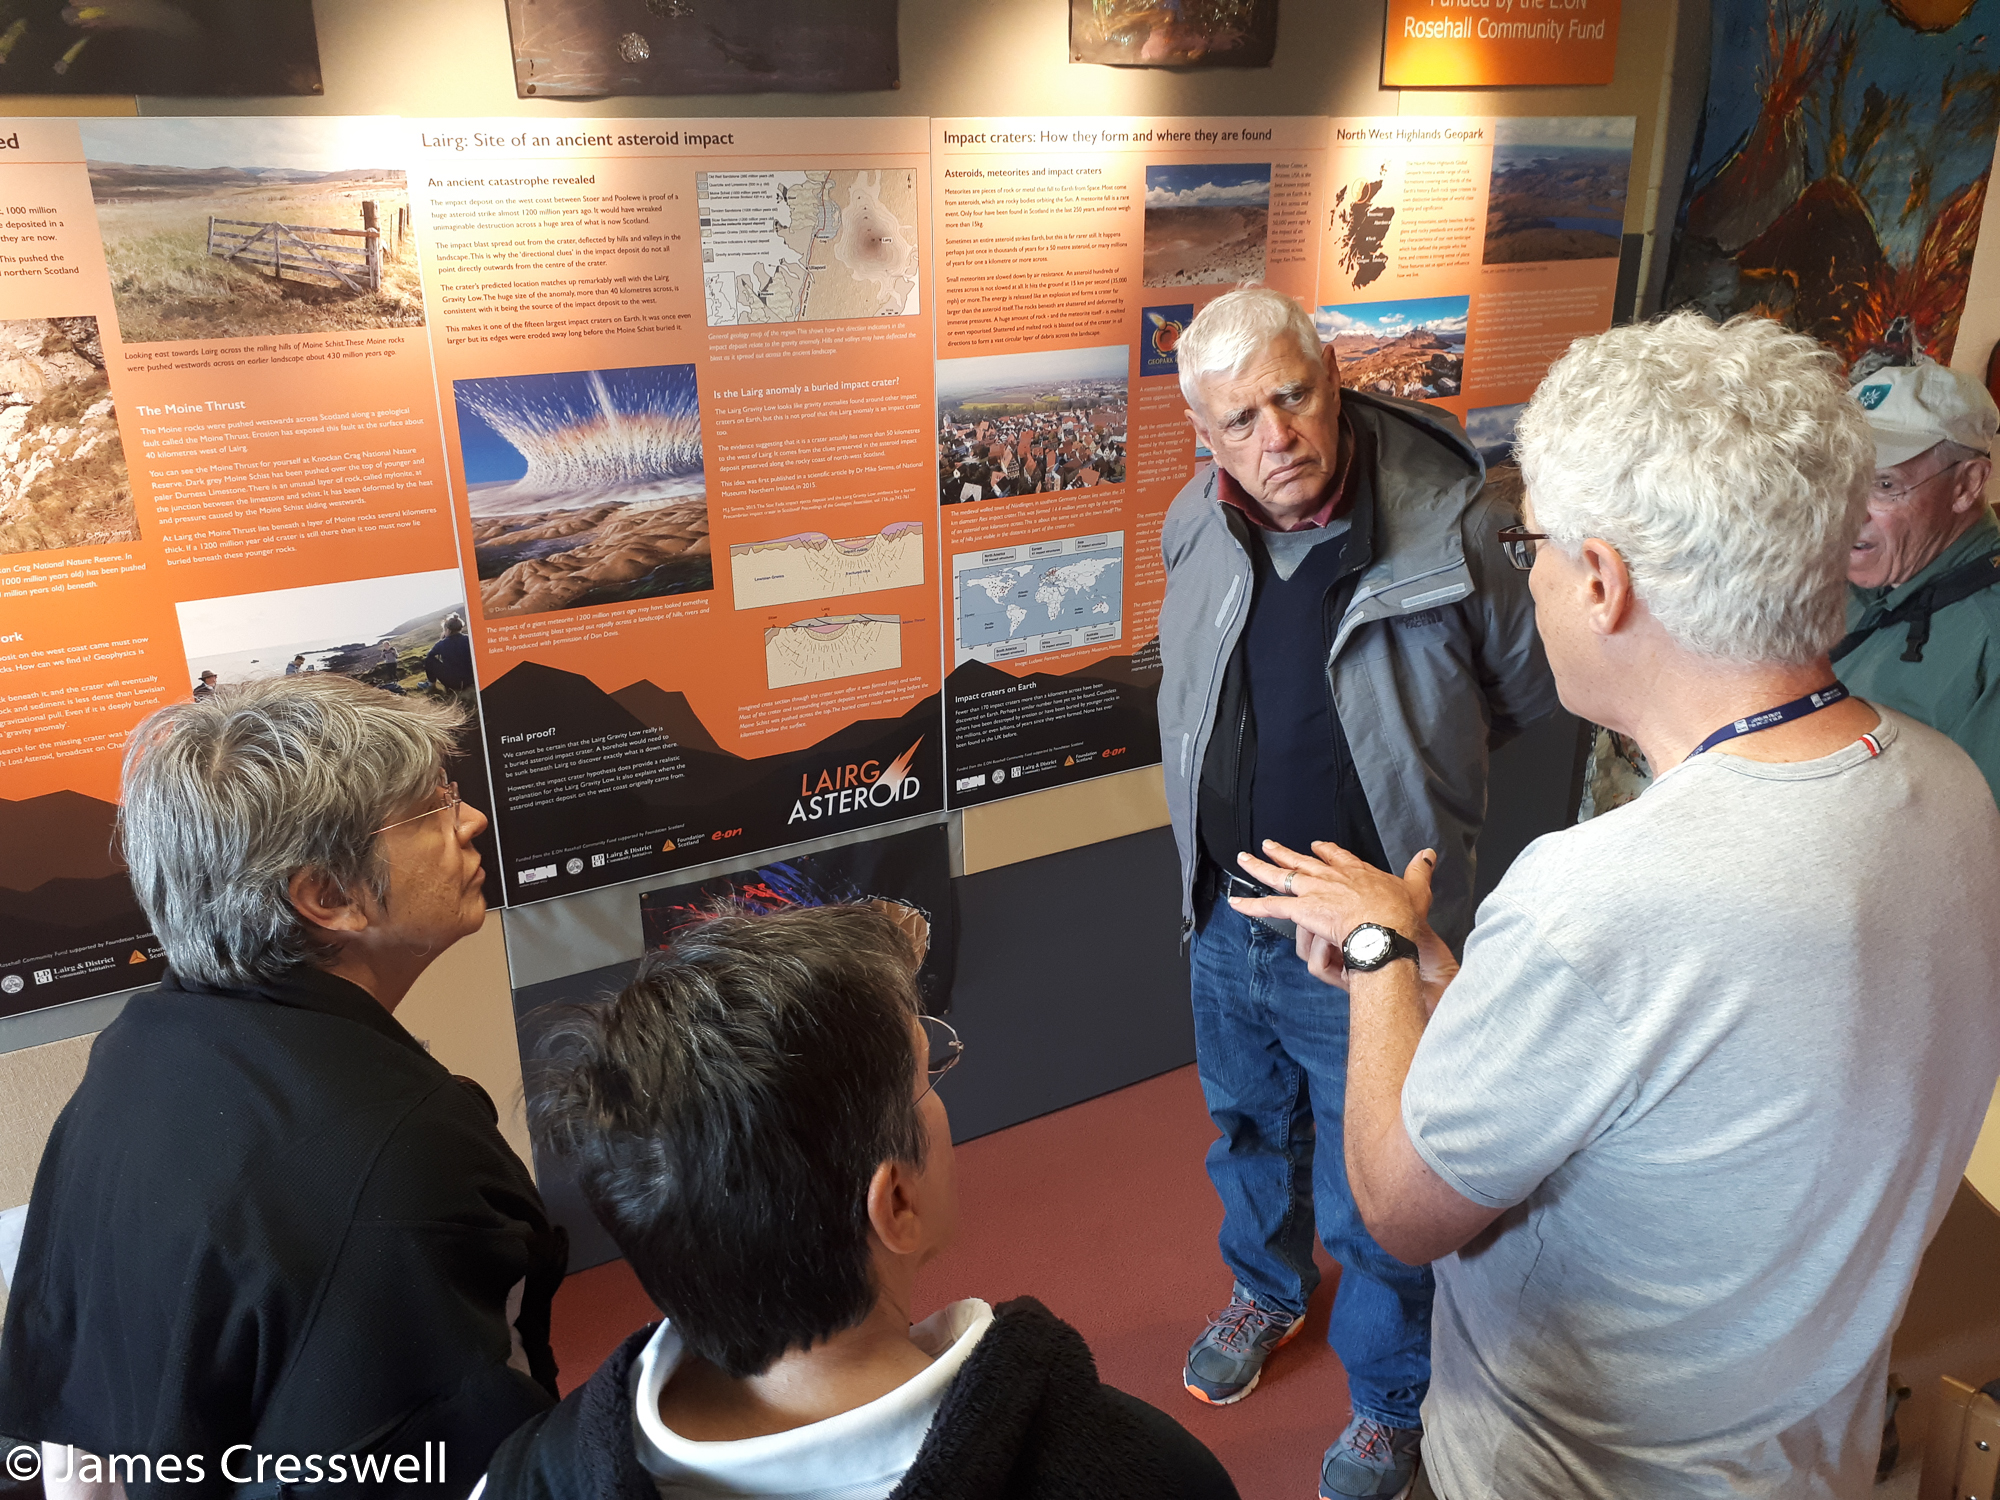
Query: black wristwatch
1372	946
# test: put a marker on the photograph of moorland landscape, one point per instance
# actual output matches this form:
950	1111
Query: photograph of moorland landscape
1413	349
376	629
1206	224
245	228
586	487
1558	189
63	481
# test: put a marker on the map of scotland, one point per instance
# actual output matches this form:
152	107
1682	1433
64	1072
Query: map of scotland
1043	596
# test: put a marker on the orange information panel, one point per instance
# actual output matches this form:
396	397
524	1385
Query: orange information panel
1473	44
685	371
1461	256
219	460
1071	255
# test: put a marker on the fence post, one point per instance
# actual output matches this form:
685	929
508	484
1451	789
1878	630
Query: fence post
211	234
374	243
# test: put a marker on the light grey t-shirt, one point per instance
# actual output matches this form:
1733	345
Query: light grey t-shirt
1722	1054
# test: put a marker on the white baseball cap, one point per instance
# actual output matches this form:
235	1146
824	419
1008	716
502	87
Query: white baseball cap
1913	408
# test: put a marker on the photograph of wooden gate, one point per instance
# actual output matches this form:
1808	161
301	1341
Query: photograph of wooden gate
314	249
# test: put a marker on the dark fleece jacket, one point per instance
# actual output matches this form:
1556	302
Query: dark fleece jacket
1025	1419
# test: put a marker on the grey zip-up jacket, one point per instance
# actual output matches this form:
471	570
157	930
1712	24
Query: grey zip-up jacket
1434	664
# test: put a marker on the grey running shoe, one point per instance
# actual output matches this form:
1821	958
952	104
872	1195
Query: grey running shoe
1369	1459
1224	1363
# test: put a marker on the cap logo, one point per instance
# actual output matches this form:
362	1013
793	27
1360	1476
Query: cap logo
1872	396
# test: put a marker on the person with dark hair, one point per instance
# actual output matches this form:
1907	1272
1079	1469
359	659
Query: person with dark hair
448	664
755	1121
268	1224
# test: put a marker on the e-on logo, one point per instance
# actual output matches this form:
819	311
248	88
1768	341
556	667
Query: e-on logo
855	787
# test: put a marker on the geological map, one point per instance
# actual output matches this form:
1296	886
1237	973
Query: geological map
790	247
1043	596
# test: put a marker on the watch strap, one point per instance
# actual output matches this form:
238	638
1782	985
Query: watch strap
1399	947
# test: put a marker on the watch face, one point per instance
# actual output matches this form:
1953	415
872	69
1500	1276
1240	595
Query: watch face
1367	947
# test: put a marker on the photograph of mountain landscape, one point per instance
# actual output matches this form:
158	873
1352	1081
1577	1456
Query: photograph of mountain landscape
1207	224
586	487
217	229
1558	188
1413	349
63	480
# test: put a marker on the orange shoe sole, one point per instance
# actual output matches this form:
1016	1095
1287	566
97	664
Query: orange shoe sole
1207	1400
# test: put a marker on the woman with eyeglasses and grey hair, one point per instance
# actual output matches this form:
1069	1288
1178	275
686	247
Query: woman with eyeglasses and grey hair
272	1242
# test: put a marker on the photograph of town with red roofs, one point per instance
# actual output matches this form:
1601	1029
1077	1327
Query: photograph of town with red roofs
1023	424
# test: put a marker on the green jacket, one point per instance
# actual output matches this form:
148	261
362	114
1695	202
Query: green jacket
1956	687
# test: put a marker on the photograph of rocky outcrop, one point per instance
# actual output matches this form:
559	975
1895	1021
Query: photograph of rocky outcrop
1558	189
586	487
63	481
1413	349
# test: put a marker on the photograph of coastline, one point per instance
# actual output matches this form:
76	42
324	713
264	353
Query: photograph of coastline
1207	224
585	487
375	629
1558	188
241	228
1413	349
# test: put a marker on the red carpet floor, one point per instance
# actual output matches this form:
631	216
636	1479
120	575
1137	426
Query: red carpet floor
1104	1212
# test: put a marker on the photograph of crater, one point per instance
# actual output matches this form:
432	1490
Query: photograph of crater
1207	224
585	487
1413	349
63	481
1558	189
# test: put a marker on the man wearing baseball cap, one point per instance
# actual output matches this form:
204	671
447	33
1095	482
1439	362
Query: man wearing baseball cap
1923	603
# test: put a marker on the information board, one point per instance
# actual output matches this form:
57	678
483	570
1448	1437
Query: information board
686	384
1461	256
1071	255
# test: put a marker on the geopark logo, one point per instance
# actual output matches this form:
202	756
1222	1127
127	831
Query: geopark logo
855	787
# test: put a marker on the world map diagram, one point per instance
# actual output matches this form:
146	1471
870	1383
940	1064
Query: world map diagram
1028	602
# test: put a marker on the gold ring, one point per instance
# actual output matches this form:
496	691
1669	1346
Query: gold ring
1290	876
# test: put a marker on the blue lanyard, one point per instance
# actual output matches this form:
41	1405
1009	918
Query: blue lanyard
1784	713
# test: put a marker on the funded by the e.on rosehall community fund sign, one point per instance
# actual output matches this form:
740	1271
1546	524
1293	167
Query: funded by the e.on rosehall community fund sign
1483	43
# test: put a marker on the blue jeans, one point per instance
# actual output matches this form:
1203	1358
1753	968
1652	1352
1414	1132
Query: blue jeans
1271	1047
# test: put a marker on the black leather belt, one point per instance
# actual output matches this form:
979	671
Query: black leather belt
1218	884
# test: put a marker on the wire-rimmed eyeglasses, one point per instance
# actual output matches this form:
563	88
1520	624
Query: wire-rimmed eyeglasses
1519	544
452	802
945	1049
1895	494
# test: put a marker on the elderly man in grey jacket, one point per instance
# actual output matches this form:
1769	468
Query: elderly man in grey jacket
1343	643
